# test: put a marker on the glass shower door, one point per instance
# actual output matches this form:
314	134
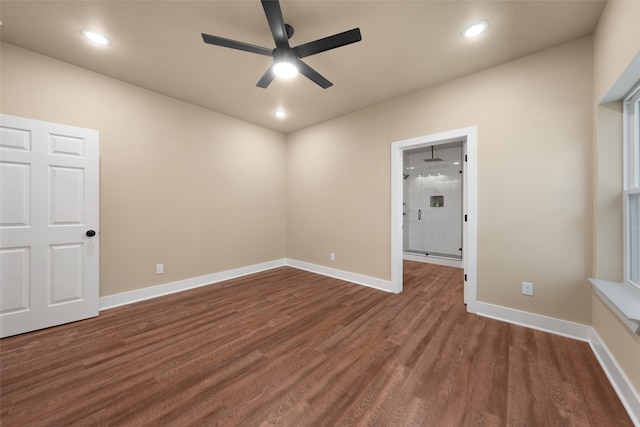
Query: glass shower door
433	199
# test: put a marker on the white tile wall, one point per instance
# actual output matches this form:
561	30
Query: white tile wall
440	228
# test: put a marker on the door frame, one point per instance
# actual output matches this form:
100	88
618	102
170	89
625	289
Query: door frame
470	205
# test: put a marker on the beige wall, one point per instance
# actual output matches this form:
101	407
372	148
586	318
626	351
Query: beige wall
616	43
534	167
180	185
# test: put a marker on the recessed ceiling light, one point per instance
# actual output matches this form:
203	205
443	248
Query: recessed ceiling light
279	114
285	70
475	29
95	37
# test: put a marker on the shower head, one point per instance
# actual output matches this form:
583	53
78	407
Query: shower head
432	159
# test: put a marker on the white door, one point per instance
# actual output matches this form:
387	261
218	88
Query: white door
49	224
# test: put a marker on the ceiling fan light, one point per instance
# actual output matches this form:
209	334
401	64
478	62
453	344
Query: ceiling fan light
285	69
475	29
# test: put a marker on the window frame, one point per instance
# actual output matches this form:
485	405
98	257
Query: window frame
631	185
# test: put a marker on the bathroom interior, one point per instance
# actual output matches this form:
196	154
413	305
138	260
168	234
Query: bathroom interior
433	203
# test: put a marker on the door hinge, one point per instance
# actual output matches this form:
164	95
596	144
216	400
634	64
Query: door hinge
465	277
465	157
465	218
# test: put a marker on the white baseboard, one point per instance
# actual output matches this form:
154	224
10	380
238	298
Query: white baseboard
360	279
620	382
552	325
137	295
130	297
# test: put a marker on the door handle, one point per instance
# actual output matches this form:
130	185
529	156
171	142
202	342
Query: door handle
419	214
90	233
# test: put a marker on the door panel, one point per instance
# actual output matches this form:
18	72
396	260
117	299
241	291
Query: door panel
66	145
49	193
66	277
15	139
67	196
14	194
14	264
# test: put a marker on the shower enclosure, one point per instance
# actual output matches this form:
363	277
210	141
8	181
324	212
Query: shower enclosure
432	206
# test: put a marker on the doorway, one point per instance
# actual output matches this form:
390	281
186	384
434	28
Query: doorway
432	204
467	138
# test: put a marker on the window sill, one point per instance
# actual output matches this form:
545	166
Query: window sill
623	300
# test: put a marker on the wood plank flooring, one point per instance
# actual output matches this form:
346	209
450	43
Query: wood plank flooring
290	348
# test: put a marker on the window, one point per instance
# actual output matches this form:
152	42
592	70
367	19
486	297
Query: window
624	298
631	195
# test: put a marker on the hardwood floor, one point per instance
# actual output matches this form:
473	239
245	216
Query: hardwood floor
291	348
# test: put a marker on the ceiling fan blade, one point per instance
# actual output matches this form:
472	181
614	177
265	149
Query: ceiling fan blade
220	41
276	22
266	78
328	43
313	75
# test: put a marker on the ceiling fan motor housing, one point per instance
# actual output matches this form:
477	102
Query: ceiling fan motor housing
283	54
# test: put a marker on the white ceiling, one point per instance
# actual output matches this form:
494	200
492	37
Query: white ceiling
406	46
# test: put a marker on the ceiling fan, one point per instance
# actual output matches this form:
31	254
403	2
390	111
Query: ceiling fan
286	59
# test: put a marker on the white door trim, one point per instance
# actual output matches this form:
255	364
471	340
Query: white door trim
470	203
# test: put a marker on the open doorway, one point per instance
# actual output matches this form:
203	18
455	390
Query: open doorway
467	138
432	204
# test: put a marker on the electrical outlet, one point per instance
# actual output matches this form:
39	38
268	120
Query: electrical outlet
332	256
159	268
527	288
